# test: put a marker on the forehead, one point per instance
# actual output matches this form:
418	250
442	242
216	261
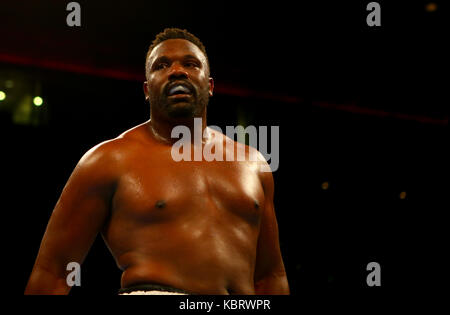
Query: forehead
174	48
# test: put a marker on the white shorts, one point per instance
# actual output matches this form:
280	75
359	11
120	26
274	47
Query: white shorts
151	289
154	292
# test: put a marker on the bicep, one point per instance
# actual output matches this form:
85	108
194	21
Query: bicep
268	259
77	217
268	256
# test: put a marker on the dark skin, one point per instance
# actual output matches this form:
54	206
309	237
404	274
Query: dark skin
204	227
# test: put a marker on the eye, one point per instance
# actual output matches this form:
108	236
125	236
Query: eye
161	65
192	64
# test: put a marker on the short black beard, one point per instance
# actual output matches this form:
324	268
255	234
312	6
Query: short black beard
181	112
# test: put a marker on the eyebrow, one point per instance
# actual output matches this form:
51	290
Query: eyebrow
166	59
159	59
191	57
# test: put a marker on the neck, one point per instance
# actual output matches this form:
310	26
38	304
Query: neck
161	129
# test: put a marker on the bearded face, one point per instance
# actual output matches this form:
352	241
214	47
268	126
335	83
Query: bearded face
178	83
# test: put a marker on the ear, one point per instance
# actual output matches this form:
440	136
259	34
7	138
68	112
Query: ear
145	86
211	86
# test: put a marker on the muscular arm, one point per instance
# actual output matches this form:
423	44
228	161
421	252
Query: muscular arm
75	222
270	276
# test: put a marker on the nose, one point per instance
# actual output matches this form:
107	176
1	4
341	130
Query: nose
177	71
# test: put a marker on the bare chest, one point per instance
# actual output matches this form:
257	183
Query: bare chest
161	190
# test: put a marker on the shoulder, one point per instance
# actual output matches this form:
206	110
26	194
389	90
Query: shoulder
112	152
251	154
253	158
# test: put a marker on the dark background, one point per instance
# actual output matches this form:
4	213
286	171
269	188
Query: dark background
360	108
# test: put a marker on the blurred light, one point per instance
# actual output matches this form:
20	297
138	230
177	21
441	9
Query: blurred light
325	185
431	7
2	95
38	101
402	195
9	84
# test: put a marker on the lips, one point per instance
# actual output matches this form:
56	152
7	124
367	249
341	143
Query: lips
179	89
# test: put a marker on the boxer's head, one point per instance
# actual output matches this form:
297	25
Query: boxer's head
177	70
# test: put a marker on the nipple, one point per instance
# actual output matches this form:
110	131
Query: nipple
160	204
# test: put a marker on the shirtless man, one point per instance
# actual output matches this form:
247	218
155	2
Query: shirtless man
195	226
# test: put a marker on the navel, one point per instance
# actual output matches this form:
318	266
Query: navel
160	204
256	203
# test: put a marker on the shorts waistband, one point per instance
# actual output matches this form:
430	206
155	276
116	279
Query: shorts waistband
152	287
